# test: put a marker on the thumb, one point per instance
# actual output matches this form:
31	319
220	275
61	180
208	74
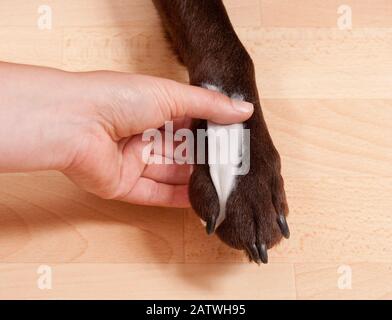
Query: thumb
195	102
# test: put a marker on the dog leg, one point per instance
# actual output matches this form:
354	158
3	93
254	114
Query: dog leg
248	212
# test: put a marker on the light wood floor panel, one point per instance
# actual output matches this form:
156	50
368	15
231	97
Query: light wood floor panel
332	220
47	219
328	138
35	48
321	63
327	100
139	50
321	13
324	281
150	281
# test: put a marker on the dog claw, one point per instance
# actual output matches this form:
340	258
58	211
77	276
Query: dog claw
263	252
210	227
284	228
253	253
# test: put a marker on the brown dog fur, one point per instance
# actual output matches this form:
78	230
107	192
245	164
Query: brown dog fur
207	44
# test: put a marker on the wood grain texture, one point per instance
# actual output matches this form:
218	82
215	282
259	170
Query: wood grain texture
319	13
150	281
327	100
47	219
369	281
340	220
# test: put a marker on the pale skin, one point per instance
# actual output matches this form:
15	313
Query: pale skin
88	126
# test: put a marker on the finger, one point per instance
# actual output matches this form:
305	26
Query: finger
148	102
195	102
179	123
149	192
168	173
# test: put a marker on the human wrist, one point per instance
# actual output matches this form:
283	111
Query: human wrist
42	116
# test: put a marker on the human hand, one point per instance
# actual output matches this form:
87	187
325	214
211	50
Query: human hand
89	126
109	161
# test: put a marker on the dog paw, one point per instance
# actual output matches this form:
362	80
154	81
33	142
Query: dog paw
256	209
256	214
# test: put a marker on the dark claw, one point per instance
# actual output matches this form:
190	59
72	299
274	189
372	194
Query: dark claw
254	254
284	228
263	252
210	228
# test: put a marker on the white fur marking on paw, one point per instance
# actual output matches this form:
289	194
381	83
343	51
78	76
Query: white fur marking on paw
225	146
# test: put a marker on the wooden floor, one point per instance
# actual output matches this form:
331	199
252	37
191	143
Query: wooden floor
328	102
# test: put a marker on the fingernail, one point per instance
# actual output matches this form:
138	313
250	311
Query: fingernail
242	106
